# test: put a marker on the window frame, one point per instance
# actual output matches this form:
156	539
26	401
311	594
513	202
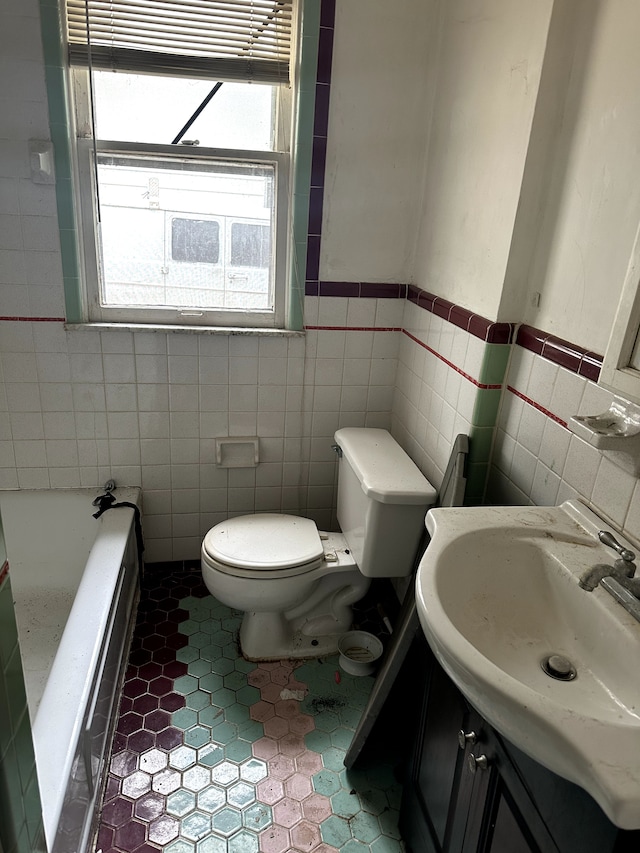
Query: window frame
87	205
618	373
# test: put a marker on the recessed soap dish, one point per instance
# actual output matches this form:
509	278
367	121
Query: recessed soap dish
617	429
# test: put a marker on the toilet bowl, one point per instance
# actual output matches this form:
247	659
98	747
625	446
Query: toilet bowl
296	584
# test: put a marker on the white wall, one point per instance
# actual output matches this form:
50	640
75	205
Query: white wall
382	88
490	63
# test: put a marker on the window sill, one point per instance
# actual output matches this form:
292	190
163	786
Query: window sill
189	330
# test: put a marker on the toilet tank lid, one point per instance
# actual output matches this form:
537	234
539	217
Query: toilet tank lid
385	471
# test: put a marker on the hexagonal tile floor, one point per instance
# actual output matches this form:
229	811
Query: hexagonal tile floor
213	754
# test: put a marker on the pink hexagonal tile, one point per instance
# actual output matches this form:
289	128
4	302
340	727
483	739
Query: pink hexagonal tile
287	708
261	711
302	724
269	791
305	836
287	812
298	786
316	808
276	727
271	693
291	744
326	848
265	748
282	674
274	839
281	767
269	665
308	762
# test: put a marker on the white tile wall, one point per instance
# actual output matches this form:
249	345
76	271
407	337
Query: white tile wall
536	460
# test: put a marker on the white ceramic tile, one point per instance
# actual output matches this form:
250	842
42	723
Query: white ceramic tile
17	337
150	343
182	345
595	399
387	344
541	381
19	367
116	342
243	371
379	399
184	451
544	490
632	521
331	344
567	394
613	490
26	425
272	398
269	474
185	500
243	398
531	428
332	311
30	454
213	346
214	398
154	451
152	397
183	368
122	424
383	371
23	397
153	424
270	423
156	477
243	423
389	313
59	425
523	466
273	347
295	371
311	305
272	371
86	367
124	451
581	466
151	367
243	346
65	478
361	312
33	478
213	424
121	398
184	398
185	476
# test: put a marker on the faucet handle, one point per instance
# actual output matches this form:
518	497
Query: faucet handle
610	540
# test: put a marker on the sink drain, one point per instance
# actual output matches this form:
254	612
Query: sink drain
557	666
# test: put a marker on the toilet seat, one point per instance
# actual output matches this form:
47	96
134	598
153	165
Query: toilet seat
265	545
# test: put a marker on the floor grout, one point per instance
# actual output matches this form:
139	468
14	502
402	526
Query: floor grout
214	754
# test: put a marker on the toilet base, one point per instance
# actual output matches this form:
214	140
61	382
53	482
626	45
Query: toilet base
311	630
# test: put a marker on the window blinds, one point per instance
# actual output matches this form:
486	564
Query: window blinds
248	40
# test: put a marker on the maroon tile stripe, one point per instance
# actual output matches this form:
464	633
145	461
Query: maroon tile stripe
538	406
563	353
4	571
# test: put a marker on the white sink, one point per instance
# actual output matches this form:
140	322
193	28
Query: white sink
497	593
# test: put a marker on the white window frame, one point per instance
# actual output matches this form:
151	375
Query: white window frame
618	373
87	204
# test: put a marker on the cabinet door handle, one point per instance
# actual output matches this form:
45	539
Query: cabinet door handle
465	738
477	762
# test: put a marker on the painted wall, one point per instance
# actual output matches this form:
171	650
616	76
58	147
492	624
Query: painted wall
488	73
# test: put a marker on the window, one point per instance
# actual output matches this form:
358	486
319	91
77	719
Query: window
183	121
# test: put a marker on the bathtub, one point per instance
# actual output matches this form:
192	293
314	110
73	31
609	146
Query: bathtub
74	580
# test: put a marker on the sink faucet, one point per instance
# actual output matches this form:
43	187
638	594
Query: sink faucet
622	570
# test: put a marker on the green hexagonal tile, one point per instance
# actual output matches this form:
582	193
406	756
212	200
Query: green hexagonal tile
180	846
235	680
212	845
325	782
345	804
350	717
197	736
224	732
243	842
238	750
210	754
241	794
198	700
211	799
333	759
210	683
182	757
199	667
253	770
236	713
222	665
210	625
185	684
243	665
231	623
248	696
200	639
210	716
210	652
335	830
389	823
354	846
222	638
195	826
184	718
230	651
250	730
374	800
188	627
223	698
383	844
341	738
365	827
225	773
187	654
181	802
326	721
257	817
317	741
226	821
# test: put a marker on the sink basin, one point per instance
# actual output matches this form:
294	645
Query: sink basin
497	594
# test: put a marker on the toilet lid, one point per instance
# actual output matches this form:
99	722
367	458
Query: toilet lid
265	542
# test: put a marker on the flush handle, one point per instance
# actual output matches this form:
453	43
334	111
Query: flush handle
466	738
477	762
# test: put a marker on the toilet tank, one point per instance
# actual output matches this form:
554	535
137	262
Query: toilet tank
382	501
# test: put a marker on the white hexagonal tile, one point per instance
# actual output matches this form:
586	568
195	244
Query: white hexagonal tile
136	785
182	757
153	760
196	778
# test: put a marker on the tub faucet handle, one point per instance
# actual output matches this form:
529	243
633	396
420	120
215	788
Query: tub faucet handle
110	485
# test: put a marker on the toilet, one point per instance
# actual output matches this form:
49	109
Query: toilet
295	583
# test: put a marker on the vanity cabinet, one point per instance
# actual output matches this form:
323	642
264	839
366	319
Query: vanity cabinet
470	791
